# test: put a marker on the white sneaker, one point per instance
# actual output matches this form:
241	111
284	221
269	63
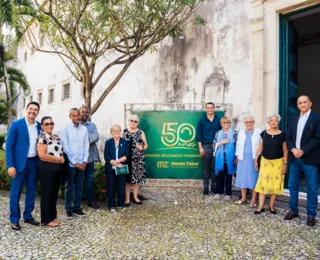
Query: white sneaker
216	196
227	197
113	210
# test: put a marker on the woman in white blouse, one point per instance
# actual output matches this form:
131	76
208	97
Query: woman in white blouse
247	146
49	170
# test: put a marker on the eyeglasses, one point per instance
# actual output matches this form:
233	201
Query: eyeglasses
249	122
134	121
47	124
226	123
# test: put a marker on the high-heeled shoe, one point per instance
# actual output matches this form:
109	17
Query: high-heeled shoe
272	211
137	202
257	212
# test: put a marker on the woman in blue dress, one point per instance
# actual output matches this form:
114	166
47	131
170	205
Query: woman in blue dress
247	146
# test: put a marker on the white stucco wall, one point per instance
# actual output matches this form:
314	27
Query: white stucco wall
195	69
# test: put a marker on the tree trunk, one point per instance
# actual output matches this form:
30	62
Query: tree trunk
9	97
109	88
88	97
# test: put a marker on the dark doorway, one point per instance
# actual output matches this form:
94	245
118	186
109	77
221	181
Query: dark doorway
299	63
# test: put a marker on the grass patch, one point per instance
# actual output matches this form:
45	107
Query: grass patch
2	154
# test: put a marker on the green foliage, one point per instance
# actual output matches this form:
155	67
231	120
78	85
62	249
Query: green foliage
82	31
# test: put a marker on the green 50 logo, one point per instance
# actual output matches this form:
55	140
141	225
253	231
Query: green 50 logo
174	135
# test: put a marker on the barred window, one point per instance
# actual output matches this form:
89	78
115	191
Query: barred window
25	56
51	95
40	98
23	102
66	91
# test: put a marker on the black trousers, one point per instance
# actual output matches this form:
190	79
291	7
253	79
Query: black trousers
49	176
223	179
115	182
208	166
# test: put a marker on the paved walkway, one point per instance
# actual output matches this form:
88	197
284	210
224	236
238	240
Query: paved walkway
172	224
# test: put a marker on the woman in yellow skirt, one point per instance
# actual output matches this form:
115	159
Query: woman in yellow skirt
273	165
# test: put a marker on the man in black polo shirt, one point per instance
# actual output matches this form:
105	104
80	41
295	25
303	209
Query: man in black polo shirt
206	131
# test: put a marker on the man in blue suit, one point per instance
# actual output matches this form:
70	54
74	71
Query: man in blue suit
21	160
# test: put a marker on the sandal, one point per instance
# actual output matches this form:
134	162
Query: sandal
252	205
240	202
52	224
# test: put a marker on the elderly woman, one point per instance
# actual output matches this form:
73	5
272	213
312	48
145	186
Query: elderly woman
49	169
115	155
137	145
224	146
247	146
274	163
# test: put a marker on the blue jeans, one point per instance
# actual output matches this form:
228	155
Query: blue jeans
28	177
311	174
89	180
113	182
74	185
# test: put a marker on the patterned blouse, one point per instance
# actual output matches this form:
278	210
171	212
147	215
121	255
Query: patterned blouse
54	147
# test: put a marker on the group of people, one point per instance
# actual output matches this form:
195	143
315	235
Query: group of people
260	159
33	151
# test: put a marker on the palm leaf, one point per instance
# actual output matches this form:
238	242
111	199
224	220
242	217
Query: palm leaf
5	12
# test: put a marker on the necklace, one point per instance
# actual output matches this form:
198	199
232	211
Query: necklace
272	135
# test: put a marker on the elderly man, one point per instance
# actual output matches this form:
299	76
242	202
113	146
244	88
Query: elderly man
75	142
93	155
303	142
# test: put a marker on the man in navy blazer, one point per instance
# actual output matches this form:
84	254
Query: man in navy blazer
303	142
21	160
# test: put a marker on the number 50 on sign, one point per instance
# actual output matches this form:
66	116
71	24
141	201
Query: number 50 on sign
174	134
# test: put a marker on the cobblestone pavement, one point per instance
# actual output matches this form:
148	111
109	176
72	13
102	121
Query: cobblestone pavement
172	224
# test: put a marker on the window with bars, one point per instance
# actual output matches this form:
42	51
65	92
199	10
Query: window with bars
25	56
23	102
31	98
40	98
66	91
51	95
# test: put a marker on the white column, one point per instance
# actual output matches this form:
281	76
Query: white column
258	89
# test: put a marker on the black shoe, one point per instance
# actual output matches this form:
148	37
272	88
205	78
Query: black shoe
257	212
205	191
290	216
78	213
68	213
32	222
272	211
311	221
127	205
92	204
138	202
15	226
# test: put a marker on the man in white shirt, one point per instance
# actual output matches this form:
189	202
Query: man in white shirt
75	143
303	142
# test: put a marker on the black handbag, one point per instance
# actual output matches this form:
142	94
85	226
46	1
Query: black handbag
260	155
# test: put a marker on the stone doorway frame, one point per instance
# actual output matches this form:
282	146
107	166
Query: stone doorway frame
265	44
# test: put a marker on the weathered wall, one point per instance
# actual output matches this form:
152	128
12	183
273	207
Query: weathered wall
209	63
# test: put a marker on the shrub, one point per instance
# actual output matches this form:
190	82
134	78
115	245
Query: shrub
99	182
